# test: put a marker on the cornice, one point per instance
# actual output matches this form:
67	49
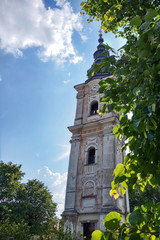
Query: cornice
91	125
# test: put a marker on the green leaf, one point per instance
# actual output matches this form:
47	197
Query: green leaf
97	235
120	179
135	217
154	122
153	107
136	21
115	129
111	107
153	237
122	190
123	120
112	221
119	170
110	80
151	13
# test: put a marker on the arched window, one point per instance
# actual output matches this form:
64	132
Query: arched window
91	155
94	108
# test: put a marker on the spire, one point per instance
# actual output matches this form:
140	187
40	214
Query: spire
98	57
100	49
100	40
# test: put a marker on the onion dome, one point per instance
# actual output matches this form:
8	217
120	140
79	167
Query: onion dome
98	58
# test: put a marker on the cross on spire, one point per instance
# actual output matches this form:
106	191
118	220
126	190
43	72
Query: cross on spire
100	32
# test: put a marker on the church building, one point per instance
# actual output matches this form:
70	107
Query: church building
94	154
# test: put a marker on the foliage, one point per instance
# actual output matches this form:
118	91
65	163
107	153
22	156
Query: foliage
26	209
135	227
137	197
10	177
133	87
62	232
19	230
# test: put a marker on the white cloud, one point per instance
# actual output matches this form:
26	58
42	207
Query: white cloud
60	2
84	38
66	81
29	24
76	59
0	78
56	183
65	153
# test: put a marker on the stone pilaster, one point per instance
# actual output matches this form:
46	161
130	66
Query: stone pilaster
72	175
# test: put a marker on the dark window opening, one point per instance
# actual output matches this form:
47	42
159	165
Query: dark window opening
88	228
94	108
91	156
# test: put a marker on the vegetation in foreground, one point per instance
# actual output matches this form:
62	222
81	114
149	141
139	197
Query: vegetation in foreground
26	209
133	86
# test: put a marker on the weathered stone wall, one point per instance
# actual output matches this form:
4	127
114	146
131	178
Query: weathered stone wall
88	185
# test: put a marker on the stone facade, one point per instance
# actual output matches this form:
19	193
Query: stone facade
94	154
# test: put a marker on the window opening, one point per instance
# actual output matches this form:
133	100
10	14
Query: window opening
94	108
91	156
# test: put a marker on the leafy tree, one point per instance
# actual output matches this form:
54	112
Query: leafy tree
26	209
34	205
137	197
133	87
10	177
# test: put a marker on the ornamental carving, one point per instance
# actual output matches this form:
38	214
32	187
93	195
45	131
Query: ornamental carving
94	89
89	189
80	94
76	139
91	141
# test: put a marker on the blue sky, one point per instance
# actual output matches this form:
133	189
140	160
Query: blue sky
46	47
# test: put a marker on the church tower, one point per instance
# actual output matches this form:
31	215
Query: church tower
94	154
